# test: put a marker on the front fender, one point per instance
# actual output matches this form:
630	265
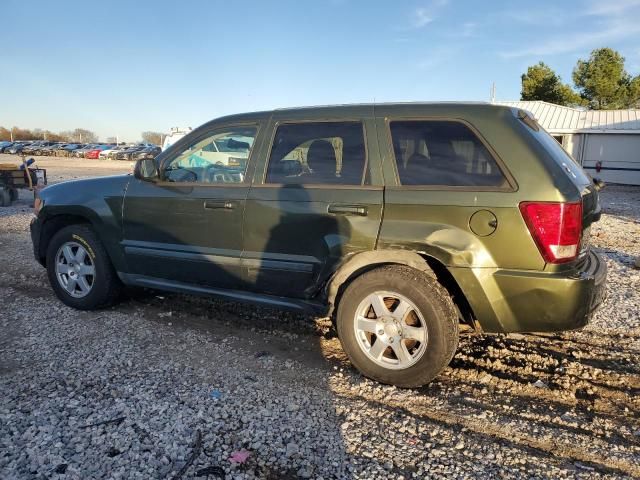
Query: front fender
98	200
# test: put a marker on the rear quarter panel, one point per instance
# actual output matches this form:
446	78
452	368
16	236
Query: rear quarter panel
435	220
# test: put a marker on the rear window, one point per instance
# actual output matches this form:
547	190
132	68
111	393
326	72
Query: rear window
331	153
442	153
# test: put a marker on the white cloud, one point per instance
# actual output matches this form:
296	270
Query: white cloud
547	16
610	8
423	16
615	27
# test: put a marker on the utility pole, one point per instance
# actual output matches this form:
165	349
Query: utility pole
493	92
12	134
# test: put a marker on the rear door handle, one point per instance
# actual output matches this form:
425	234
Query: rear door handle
359	210
219	204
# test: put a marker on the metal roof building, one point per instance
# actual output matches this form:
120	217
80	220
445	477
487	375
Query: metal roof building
605	142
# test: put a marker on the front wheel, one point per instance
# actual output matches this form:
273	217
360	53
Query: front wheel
79	269
398	326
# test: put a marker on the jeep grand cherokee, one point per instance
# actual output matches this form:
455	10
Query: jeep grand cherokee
404	222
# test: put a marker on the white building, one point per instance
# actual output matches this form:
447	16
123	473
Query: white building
605	142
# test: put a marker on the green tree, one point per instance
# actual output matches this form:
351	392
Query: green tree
540	82
603	81
633	100
152	137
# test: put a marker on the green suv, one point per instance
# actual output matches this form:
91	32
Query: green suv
406	223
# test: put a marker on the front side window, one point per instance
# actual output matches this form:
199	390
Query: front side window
219	158
442	153
318	153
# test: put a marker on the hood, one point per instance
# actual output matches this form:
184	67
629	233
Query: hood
64	192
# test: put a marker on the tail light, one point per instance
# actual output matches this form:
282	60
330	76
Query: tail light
555	227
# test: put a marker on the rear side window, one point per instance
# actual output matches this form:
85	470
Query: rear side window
442	153
561	157
318	153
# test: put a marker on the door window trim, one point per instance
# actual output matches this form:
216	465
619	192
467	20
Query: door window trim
512	185
206	133
279	123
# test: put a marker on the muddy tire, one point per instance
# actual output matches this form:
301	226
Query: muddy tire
398	326
79	269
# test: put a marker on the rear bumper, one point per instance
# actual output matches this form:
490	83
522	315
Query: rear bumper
531	301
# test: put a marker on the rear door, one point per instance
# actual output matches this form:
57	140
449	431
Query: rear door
316	198
187	227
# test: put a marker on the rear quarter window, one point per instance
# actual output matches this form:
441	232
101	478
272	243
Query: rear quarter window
560	156
442	153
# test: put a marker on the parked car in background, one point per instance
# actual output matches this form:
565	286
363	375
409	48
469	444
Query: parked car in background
17	147
127	154
112	153
486	227
147	152
41	147
44	151
5	145
27	148
55	151
80	152
34	147
104	154
94	153
50	150
68	150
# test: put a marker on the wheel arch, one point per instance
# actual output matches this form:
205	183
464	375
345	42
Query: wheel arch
54	224
429	265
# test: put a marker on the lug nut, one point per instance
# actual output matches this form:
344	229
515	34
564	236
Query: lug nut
380	332
391	340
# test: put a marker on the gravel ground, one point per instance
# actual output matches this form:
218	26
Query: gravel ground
165	382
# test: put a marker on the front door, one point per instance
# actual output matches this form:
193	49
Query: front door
187	227
311	206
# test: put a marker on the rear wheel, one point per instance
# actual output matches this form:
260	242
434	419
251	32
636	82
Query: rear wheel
398	326
79	269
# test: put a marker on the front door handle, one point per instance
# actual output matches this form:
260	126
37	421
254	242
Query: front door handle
219	204
337	209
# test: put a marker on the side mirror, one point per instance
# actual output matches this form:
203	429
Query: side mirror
146	170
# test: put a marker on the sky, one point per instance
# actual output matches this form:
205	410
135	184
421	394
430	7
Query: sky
123	67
